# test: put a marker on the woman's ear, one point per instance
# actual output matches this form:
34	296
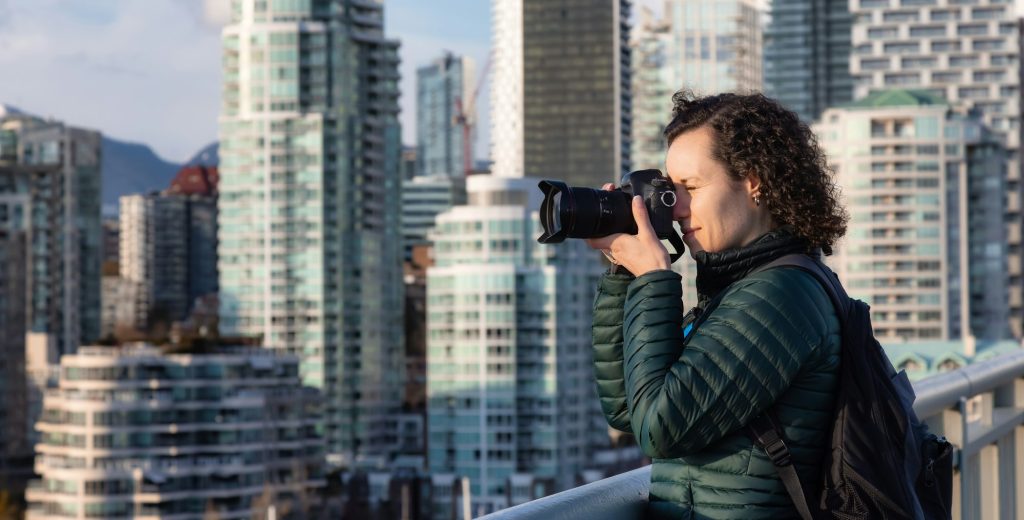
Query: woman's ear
752	184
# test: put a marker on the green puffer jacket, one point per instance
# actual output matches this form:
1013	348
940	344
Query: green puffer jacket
773	340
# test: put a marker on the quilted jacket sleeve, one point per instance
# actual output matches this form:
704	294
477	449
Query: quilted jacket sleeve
607	331
737	364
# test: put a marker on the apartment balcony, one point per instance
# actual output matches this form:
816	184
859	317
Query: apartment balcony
979	408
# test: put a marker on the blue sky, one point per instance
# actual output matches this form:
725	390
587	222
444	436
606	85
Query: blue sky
149	70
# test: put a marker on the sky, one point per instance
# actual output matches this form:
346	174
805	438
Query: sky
149	70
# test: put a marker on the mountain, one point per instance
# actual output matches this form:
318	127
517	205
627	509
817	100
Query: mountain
130	168
208	156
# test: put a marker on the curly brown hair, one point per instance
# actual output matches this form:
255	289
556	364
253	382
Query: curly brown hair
755	135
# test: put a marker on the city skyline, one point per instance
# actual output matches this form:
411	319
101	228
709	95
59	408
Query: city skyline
449	360
137	64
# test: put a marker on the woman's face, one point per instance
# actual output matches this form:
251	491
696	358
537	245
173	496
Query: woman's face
714	212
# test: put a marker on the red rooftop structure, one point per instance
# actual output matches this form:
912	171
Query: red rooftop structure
195	180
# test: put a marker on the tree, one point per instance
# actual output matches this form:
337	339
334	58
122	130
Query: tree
9	507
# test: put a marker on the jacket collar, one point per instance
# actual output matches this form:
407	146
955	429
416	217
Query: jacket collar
716	271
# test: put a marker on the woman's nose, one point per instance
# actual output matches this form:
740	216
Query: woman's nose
682	207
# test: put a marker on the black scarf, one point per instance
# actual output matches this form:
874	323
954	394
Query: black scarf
716	271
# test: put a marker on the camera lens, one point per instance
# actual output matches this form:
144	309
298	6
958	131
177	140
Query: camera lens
583	212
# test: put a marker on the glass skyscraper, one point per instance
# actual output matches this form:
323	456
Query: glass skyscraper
51	236
716	46
309	241
807	55
560	101
444	91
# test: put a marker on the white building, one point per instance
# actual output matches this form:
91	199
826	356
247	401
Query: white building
966	52
136	432
925	245
309	249
510	386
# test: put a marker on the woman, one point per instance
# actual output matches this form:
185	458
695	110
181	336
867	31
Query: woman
752	186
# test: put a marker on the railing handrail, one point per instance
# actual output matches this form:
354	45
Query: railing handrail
620	496
625	495
942	391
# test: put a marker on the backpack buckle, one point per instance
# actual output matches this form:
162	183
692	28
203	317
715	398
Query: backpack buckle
778	451
765	432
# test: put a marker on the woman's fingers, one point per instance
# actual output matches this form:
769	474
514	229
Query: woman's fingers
643	224
603	242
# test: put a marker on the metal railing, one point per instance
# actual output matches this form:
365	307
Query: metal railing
979	408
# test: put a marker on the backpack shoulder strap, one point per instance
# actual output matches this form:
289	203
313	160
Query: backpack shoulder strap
828	279
765	429
767	433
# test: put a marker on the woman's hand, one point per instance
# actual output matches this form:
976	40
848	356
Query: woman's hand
640	253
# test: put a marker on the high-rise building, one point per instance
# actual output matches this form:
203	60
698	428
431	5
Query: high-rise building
198	185
509	384
807	55
111	226
717	46
700	47
967	53
58	169
926	244
408	165
560	101
423	198
137	432
309	251
154	256
15	450
51	242
444	95
653	83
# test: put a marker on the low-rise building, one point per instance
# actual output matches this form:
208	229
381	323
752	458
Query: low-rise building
136	431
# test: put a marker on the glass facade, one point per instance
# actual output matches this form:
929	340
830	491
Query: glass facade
309	241
717	46
509	388
807	55
560	99
444	93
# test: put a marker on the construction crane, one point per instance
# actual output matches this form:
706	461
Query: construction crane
465	116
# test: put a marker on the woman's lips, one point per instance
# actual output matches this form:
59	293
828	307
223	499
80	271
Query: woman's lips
689	232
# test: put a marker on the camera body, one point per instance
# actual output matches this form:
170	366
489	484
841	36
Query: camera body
659	196
573	212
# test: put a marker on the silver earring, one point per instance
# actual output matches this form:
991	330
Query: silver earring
757	199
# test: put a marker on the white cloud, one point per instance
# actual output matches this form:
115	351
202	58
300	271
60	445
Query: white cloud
217	13
142	71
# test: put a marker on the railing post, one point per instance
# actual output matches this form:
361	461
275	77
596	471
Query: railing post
948	423
1011	450
966	463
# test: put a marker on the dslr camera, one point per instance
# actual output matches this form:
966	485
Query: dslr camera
574	212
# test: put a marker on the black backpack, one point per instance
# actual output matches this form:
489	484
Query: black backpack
883	462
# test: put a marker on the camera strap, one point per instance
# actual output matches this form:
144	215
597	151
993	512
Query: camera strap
678	245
